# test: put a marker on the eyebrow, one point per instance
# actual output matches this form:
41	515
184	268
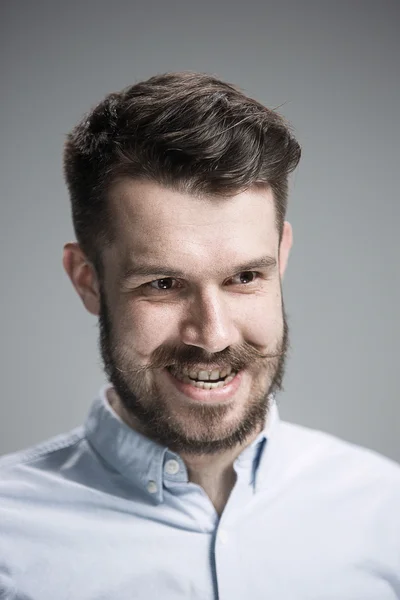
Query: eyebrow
142	270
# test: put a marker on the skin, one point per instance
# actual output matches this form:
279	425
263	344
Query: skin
209	311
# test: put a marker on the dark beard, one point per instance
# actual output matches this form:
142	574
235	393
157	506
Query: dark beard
145	403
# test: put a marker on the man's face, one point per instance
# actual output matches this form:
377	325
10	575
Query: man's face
192	289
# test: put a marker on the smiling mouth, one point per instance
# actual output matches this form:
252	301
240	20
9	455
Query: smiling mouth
206	380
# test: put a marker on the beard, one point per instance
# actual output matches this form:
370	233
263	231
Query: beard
193	429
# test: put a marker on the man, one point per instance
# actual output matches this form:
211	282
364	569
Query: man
183	482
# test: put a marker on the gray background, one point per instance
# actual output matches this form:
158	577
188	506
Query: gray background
333	68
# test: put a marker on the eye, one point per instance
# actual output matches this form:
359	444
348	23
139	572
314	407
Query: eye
163	285
245	277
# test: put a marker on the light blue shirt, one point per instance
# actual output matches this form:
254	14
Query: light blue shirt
103	513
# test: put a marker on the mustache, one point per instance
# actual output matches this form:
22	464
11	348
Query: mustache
238	357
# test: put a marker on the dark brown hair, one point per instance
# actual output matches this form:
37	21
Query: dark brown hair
189	131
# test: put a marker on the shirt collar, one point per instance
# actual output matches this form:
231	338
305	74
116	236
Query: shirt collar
144	462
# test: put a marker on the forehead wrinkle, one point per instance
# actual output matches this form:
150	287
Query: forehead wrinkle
133	205
146	234
190	250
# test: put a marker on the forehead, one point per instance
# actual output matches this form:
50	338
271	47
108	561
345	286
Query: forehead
156	222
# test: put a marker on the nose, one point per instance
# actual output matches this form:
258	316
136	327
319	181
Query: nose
208	323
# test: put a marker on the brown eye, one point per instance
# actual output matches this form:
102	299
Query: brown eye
162	288
245	277
162	284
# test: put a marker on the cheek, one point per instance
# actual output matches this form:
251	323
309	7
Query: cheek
147	326
262	319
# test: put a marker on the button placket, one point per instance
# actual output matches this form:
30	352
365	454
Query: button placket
223	536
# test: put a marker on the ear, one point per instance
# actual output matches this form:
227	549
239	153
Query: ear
83	276
285	246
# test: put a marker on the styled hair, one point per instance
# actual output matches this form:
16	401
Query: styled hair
187	131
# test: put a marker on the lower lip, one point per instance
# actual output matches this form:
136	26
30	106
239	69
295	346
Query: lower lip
200	395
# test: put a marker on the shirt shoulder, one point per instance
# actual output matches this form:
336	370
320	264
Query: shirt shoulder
338	459
42	450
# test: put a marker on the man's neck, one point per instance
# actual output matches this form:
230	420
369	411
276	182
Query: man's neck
213	472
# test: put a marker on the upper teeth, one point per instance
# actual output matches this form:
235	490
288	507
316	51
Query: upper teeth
207	375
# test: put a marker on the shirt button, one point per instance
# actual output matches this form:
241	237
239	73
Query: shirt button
223	536
171	467
152	487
